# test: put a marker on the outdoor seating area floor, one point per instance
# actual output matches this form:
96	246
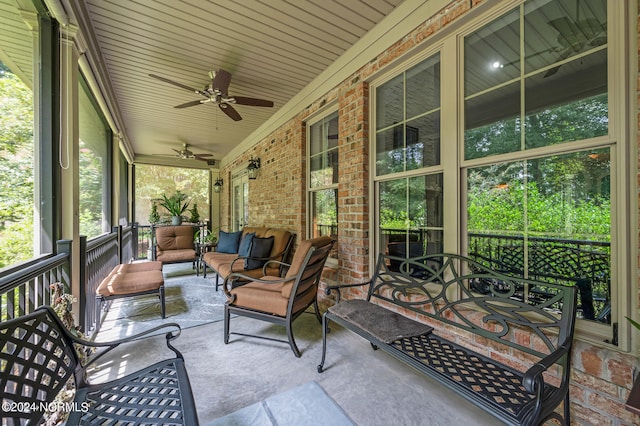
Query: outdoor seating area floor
370	386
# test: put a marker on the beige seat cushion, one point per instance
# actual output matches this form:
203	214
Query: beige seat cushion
180	255
130	283
261	297
153	265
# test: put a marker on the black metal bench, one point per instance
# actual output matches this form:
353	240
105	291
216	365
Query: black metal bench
451	319
38	357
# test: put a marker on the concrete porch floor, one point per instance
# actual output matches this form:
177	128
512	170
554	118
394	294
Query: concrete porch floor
370	386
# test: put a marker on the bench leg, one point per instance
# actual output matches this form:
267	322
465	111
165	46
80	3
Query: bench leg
162	305
325	330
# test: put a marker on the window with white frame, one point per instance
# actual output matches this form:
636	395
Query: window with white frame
323	177
537	126
531	105
409	179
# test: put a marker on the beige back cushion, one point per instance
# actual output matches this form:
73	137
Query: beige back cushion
280	237
301	252
174	237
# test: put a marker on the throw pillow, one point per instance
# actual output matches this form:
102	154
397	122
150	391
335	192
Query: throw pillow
260	247
245	244
228	242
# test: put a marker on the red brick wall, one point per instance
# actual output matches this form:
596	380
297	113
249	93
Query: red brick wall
601	377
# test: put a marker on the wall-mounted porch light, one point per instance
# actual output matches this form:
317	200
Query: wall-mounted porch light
252	168
217	186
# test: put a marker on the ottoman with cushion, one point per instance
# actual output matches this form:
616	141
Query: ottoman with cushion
133	279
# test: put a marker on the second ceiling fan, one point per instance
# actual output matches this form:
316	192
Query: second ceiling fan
217	93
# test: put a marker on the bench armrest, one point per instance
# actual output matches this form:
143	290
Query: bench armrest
337	288
173	331
533	378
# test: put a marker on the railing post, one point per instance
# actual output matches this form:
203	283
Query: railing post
64	246
134	239
82	300
118	231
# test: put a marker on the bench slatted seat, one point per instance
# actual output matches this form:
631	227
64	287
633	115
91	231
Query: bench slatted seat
38	357
459	336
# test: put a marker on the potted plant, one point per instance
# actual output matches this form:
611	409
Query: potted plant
176	205
195	215
205	236
154	216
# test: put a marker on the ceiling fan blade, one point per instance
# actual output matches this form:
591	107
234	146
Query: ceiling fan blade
230	111
221	81
183	86
188	104
202	156
179	152
563	55
241	100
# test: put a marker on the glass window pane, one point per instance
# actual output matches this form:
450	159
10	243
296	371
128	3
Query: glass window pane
16	155
492	123
564	48
548	219
324	207
423	141
93	168
423	87
390	150
332	131
414	142
410	215
492	54
390	102
559	30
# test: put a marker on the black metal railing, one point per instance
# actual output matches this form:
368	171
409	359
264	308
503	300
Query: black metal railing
585	264
27	285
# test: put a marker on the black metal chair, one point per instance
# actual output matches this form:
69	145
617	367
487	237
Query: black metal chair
280	300
38	356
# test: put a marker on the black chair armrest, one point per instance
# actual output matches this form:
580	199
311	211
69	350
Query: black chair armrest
173	332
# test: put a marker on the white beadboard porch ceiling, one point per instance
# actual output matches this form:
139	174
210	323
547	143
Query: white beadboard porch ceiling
272	48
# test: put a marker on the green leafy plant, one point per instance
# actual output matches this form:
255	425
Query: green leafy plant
634	323
176	204
195	215
154	216
207	236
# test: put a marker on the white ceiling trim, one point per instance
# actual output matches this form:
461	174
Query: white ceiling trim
409	15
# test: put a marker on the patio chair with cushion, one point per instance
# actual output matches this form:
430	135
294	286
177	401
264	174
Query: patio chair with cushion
174	244
280	300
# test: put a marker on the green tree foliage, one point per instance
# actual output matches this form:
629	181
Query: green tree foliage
154	181
16	169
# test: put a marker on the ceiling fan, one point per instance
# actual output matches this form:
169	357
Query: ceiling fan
216	93
186	154
576	35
